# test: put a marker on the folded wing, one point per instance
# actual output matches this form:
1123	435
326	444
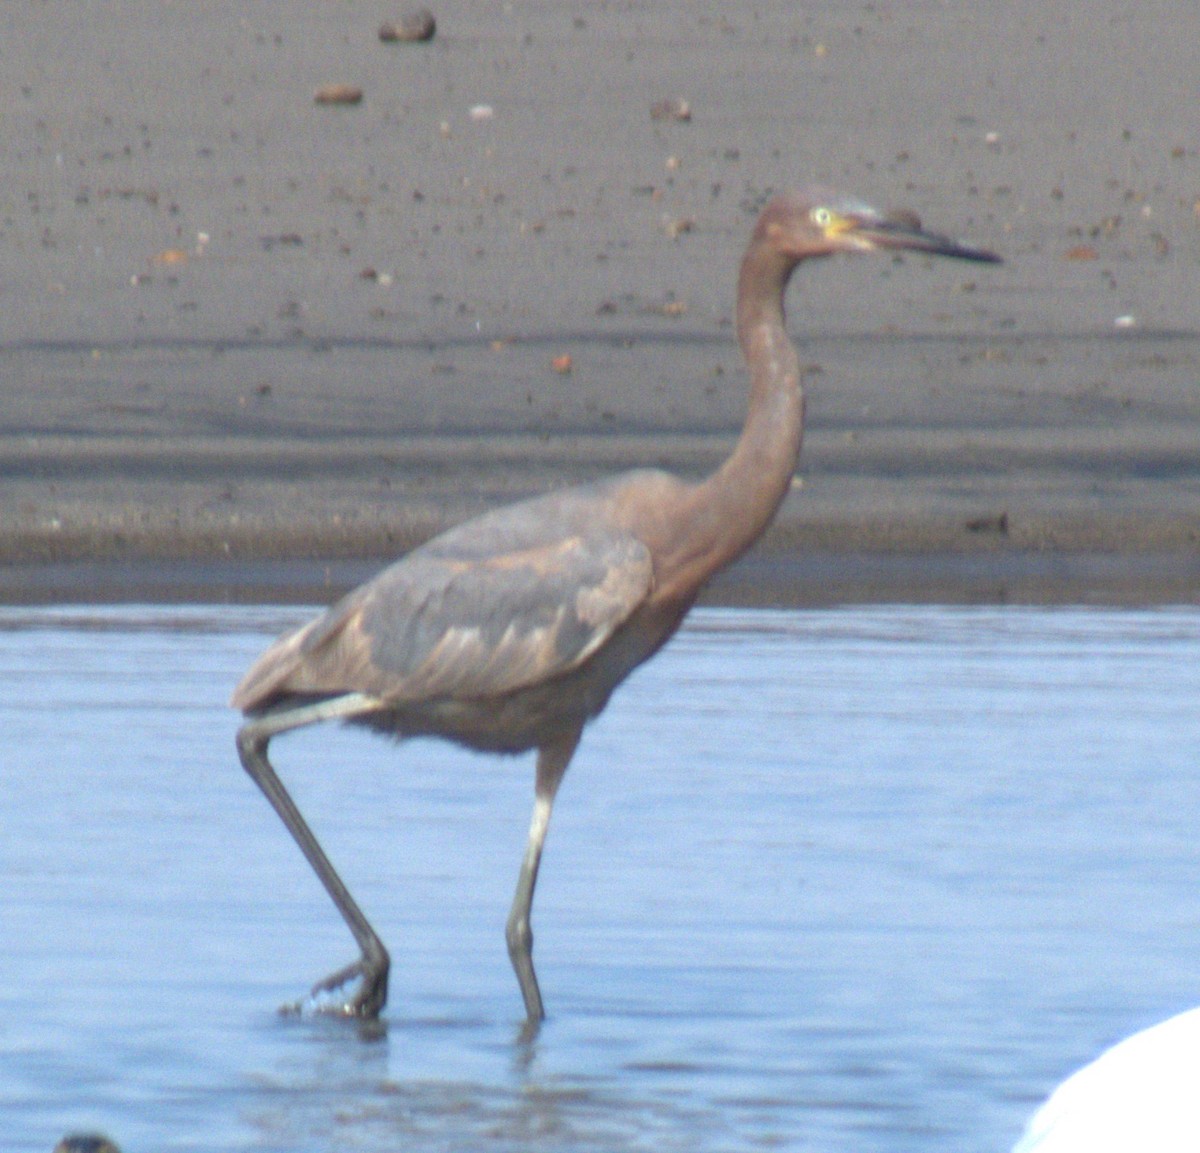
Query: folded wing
446	622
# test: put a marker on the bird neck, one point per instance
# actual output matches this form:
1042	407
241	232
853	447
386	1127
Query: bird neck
733	507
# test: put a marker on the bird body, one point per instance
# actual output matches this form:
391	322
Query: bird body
511	631
496	633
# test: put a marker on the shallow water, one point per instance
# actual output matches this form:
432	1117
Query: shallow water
861	879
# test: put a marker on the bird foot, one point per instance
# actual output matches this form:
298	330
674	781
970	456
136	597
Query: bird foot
366	1002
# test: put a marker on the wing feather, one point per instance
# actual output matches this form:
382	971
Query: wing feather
445	622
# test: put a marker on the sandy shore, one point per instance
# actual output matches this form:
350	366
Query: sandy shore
252	346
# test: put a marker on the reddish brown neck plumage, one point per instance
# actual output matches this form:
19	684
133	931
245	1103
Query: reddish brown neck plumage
729	511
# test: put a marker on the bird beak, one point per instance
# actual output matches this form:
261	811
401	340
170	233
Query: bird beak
903	231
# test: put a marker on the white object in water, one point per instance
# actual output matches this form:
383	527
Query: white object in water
1140	1096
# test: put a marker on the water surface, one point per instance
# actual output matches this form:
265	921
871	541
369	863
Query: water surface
860	879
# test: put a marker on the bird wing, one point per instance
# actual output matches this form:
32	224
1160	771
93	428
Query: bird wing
455	621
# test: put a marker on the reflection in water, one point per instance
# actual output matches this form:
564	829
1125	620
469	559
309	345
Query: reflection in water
870	879
347	1097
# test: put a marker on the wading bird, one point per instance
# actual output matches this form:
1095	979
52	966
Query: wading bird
509	632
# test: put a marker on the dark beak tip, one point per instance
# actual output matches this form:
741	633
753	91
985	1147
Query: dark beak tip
944	246
901	233
959	252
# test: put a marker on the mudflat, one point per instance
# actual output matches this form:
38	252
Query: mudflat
253	345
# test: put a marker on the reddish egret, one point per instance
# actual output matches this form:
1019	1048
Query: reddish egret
510	632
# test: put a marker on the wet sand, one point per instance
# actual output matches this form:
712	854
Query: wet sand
254	346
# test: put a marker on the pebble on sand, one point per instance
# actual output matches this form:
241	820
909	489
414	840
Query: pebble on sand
676	226
676	108
339	94
170	256
411	28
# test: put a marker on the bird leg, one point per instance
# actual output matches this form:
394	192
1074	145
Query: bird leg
252	740
551	766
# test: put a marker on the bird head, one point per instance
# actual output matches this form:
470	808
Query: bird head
821	223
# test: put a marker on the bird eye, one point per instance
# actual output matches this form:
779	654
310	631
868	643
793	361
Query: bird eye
821	217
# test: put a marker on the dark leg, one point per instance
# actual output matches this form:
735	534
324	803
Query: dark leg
252	741
551	765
